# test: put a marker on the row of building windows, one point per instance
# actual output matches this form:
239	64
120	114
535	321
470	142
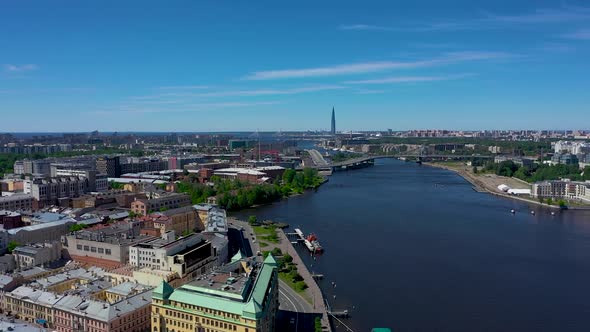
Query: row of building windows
202	309
94	249
206	321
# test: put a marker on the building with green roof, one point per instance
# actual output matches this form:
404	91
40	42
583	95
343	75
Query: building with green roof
241	296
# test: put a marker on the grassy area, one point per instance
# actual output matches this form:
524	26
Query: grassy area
267	233
298	286
263	244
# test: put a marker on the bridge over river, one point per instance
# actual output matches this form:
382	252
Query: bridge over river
368	160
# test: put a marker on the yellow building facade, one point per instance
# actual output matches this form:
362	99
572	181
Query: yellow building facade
228	300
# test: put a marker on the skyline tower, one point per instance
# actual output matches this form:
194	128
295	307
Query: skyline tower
333	129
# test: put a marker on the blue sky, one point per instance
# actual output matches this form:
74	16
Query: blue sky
275	65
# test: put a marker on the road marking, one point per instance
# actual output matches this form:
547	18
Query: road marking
294	306
296	297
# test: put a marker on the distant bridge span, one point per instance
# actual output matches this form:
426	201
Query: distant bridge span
369	160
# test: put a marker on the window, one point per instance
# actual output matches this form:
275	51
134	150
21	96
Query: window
101	250
86	248
79	247
107	251
92	249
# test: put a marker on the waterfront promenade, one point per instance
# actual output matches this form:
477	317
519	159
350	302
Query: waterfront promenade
318	303
313	302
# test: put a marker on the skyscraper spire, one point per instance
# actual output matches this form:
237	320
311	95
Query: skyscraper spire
333	129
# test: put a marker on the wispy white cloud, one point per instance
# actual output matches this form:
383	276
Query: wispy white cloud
580	34
184	87
487	20
197	107
20	68
368	91
365	27
555	48
370	67
544	15
409	79
168	98
268	92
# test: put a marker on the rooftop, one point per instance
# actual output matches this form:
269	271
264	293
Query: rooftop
233	286
236	170
237	293
103	311
6	213
216	221
42	226
16	197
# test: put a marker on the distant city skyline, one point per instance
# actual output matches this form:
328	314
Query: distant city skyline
211	66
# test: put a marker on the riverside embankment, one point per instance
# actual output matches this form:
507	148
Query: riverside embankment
489	183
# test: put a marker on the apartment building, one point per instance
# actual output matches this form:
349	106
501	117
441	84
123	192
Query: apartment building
104	246
188	256
17	202
166	201
37	254
181	220
572	190
49	191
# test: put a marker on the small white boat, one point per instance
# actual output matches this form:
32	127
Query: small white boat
533	213
552	213
512	211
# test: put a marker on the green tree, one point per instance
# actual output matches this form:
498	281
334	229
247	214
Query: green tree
12	245
474	169
561	203
288	176
550	201
318	324
287	258
77	227
252	220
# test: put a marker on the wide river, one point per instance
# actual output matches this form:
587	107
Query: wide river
414	248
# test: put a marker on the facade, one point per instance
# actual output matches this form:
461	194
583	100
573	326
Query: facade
75	313
26	166
564	158
111	166
246	301
49	231
181	220
37	254
96	182
31	305
169	201
104	246
17	202
48	191
38	167
85	309
144	166
549	189
573	190
188	256
10	219
19	167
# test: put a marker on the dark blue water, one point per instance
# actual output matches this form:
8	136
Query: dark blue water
414	248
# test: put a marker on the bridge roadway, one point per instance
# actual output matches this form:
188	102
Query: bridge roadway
317	158
365	159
